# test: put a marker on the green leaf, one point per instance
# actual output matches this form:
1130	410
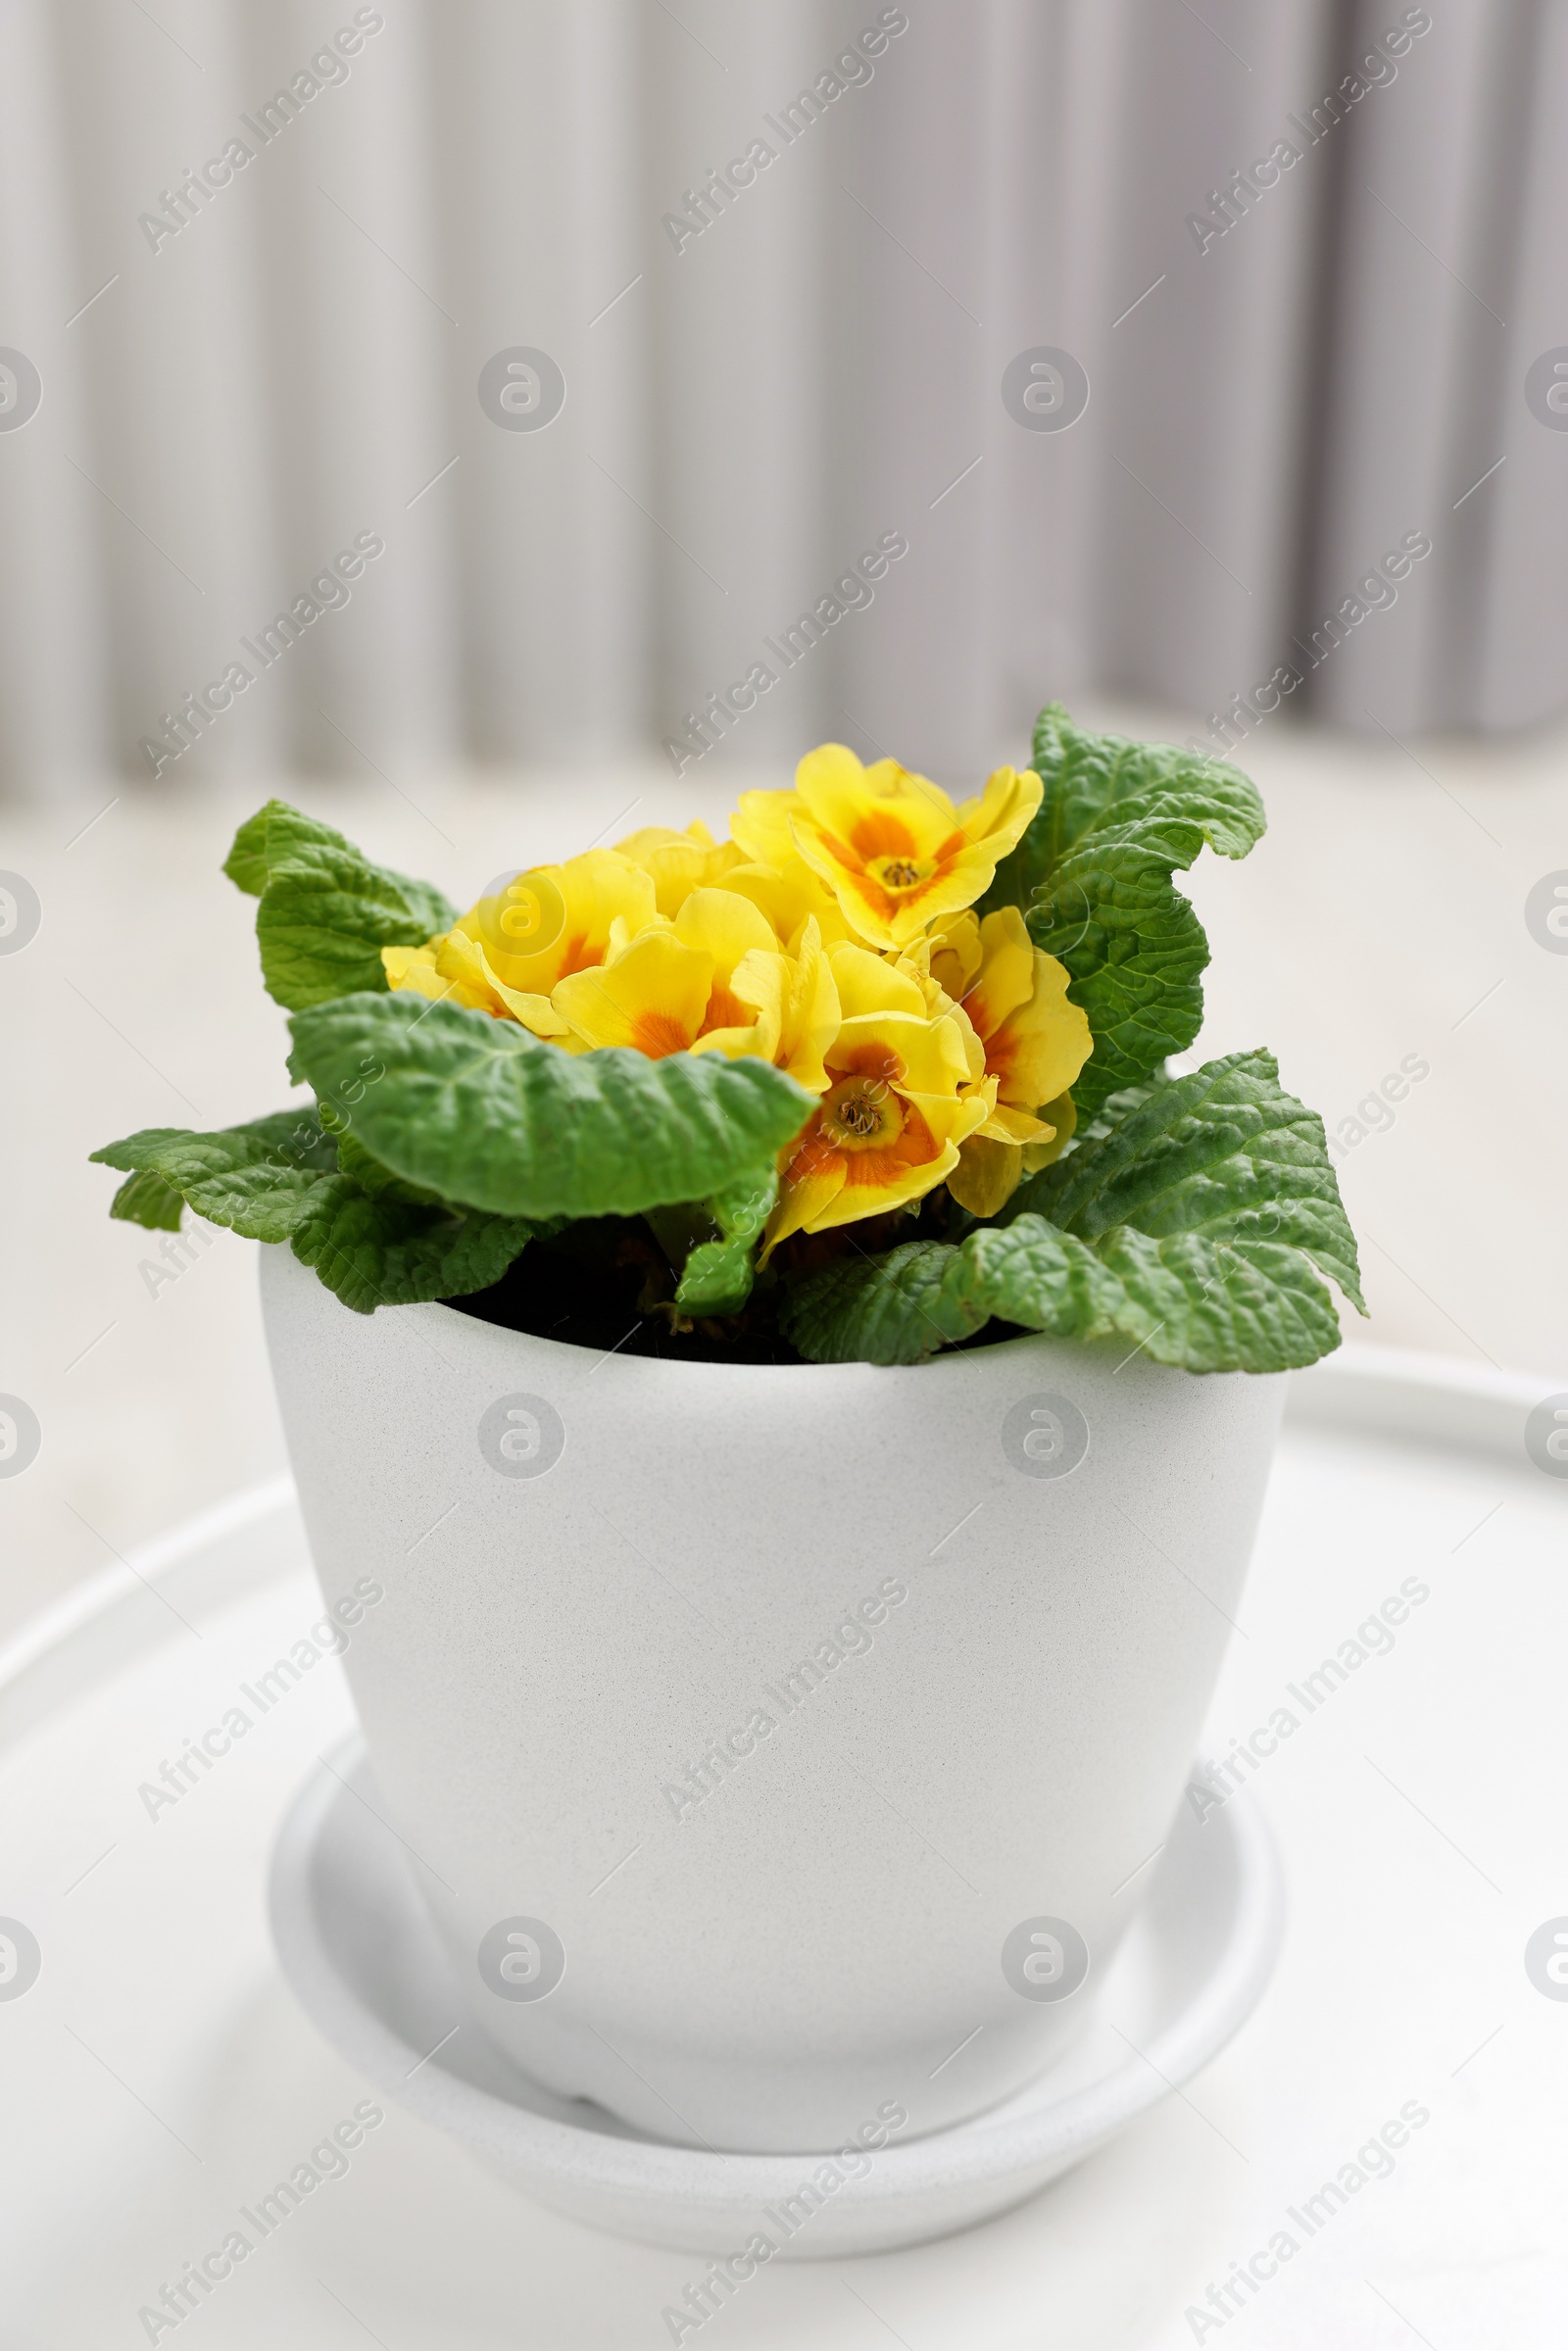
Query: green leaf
1225	1153
148	1198
718	1274
925	1294
1184	1299
279	837
481	1112
1136	952
1194	1228
894	1308
326	911
389	1252
1110	1113
278	1179
1196	1305
372	1178
1099	782
324	917
274	836
255	1178
1093	872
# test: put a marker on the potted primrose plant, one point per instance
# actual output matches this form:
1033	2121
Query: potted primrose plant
742	1299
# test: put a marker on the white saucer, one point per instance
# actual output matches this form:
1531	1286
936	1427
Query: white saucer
358	1948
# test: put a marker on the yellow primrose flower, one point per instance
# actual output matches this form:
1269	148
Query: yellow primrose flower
790	895
507	953
650	994
728	928
890	844
712	981
895	1112
689	980
453	968
795	1004
677	863
1060	1119
953	952
420	969
761	823
555	919
1035	1041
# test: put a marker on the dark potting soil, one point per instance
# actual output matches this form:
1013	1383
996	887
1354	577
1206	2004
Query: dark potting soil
607	1283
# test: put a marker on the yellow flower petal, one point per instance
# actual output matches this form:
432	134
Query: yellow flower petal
677	863
534	1012
899	1104
727	927
1036	1049
868	983
811	1016
414	967
923	1056
446	970
802	1203
955	953
872	1186
1006	978
1063	1116
953	1117
797	1006
761	826
554	920
790	895
987	1175
653	996
1002	813
891	846
878	811
1008	1124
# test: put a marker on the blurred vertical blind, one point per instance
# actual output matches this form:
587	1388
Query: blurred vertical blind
1307	257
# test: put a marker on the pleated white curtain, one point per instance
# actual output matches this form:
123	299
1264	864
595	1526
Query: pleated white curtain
767	378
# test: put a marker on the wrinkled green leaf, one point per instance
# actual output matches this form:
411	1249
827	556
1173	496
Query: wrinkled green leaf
390	1252
1195	1228
278	1179
479	1112
1224	1152
148	1198
893	1309
1136	952
324	918
718	1274
325	912
1184	1299
1196	1305
1094	783
278	836
253	1178
1093	873
372	1178
274	836
1110	1113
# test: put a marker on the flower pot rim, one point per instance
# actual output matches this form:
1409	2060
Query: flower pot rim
1094	1351
1094	1354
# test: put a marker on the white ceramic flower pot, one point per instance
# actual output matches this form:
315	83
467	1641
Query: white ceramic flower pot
776	1748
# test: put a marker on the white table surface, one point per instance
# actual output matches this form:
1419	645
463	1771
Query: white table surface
158	2075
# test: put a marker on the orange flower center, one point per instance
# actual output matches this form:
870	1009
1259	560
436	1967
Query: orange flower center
577	955
900	875
657	1034
860	1112
724	1012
